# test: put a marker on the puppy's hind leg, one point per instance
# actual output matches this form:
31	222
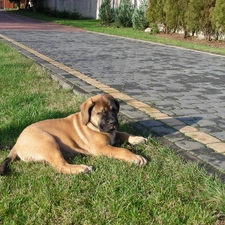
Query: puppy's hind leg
50	152
41	147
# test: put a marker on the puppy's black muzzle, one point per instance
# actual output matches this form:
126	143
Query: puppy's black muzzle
109	123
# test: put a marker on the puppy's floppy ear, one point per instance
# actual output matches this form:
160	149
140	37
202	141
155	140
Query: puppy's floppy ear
117	104
85	109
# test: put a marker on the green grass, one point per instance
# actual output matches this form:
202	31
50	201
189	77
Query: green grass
95	26
165	191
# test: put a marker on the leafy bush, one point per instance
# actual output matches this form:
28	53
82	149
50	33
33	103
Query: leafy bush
124	13
62	13
155	12
75	15
106	12
218	16
193	16
139	16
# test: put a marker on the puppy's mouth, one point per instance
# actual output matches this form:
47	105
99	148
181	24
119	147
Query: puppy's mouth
109	127
113	128
108	130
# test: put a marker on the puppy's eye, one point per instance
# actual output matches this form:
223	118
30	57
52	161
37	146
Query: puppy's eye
103	112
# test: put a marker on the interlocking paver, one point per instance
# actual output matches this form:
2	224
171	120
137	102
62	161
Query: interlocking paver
219	135
215	159
171	121
218	147
189	145
202	151
202	137
185	129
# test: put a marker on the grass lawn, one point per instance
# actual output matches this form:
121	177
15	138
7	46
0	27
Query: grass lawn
165	191
95	26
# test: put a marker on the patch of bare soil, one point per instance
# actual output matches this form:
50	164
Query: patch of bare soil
212	43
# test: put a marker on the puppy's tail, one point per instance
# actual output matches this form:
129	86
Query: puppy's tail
4	165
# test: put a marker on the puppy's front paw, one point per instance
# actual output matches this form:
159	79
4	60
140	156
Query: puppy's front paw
134	140
85	169
139	160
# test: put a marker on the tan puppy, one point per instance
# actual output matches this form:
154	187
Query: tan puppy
91	131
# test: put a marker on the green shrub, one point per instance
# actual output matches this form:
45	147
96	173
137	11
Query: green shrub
155	12
124	13
218	16
47	11
139	16
74	15
62	13
106	12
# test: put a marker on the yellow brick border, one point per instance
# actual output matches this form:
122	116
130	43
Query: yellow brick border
189	131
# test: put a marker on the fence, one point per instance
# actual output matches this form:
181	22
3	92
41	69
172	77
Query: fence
87	8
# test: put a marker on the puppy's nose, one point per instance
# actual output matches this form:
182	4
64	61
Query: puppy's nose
112	121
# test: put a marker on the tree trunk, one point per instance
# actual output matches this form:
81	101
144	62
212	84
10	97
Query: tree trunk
209	37
26	6
18	4
166	29
217	35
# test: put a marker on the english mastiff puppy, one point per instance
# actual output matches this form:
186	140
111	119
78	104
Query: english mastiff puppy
92	131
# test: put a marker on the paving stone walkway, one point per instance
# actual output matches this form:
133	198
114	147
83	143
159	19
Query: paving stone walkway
178	94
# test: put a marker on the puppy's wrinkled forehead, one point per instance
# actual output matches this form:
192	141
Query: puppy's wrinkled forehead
107	103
